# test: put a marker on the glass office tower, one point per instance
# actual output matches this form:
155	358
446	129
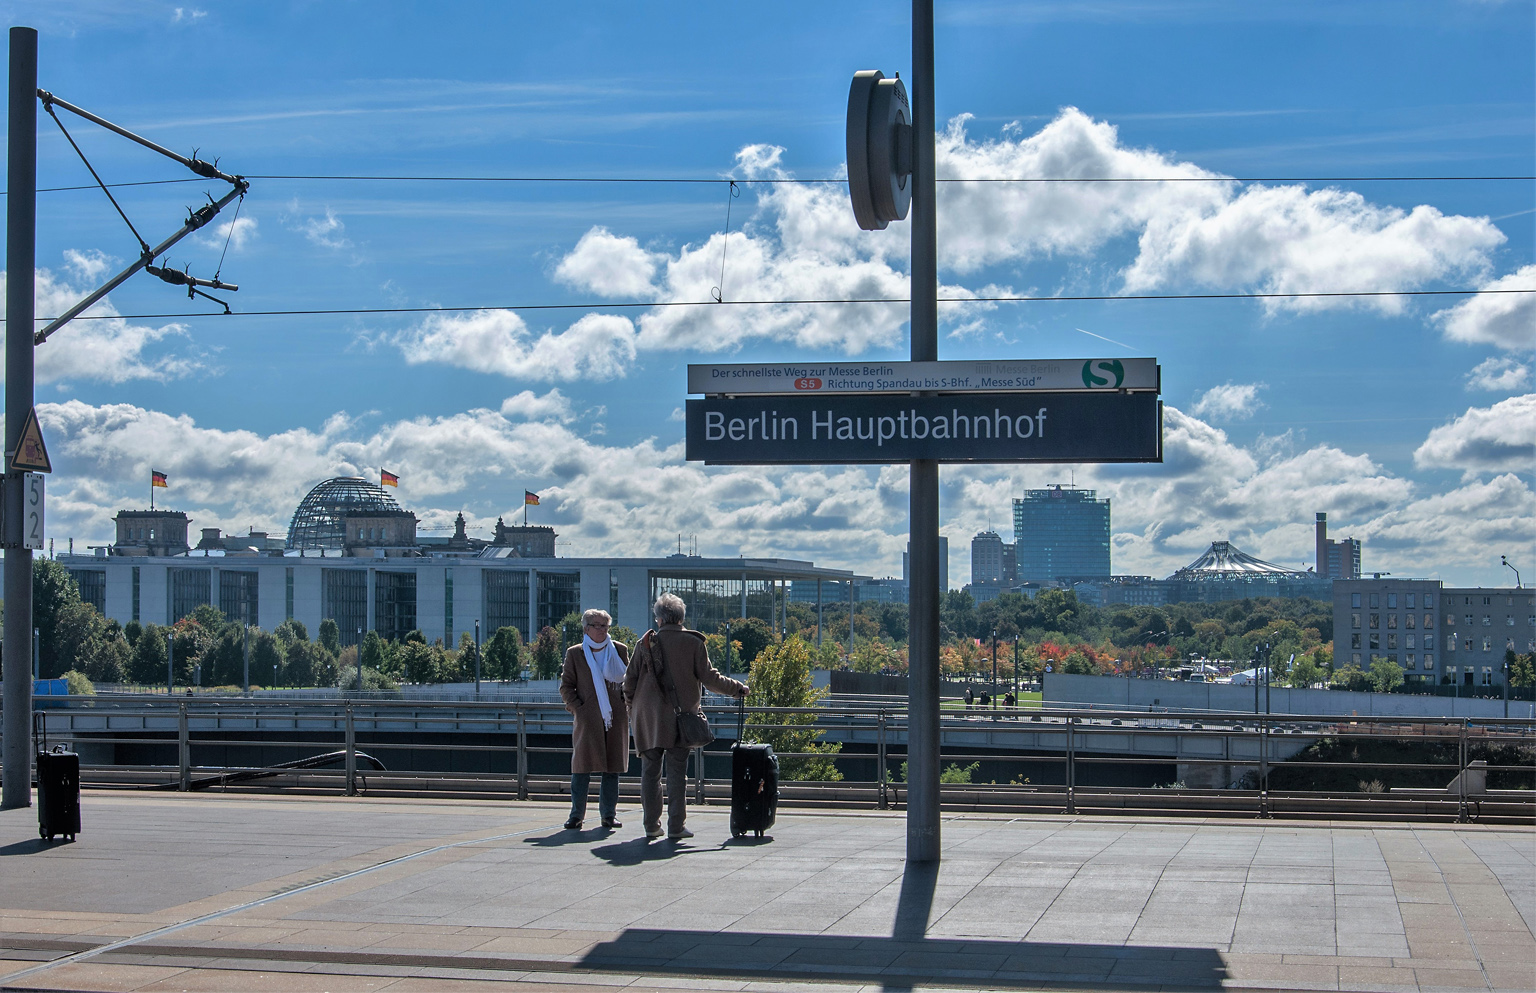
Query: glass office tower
1061	533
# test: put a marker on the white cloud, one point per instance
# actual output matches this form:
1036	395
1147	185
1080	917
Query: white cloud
1229	402
109	349
597	347
624	499
244	232
1506	320
1193	228
1499	376
186	15
531	406
327	231
1501	438
90	265
609	266
1287	240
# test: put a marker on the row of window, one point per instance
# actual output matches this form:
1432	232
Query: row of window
1409	621
1409	661
1374	600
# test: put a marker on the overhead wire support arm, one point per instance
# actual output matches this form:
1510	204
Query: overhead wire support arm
197	219
205	169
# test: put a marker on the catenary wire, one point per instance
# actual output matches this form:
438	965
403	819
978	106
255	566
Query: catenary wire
340	311
837	180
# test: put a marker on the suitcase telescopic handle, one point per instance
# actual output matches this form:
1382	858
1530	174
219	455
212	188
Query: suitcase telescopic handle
741	716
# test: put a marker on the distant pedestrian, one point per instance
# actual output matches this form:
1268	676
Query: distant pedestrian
1009	700
591	684
986	699
679	653
970	698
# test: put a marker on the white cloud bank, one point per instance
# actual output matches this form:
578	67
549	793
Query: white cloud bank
1192	228
110	349
1229	402
1499	376
1501	438
1504	319
634	499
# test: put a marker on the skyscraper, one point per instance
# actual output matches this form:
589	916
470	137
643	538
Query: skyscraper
987	558
1059	533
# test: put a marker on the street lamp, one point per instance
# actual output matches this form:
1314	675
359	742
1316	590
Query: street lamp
994	670
359	659
477	658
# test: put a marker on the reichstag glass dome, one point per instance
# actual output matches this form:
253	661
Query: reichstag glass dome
318	522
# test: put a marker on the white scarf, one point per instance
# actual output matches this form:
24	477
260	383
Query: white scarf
603	660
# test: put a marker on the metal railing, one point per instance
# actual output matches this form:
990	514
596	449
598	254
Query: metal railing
1035	760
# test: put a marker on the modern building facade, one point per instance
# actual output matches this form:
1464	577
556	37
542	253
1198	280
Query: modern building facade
364	570
1060	533
1436	633
1336	559
987	558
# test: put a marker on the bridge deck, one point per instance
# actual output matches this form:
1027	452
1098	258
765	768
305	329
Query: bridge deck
497	894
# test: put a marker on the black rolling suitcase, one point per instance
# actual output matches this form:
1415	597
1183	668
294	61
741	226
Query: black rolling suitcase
58	787
754	783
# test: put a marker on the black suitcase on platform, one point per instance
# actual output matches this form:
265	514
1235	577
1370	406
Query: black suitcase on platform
58	789
754	784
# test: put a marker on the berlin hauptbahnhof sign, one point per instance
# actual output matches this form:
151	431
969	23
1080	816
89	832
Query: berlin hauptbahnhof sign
1102	419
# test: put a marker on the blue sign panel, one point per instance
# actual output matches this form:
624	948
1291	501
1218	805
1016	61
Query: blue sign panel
886	428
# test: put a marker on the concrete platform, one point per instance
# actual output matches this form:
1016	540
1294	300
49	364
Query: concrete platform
219	892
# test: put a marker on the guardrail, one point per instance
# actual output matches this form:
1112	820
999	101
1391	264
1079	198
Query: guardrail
1249	764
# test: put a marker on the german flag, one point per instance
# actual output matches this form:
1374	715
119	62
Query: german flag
387	478
530	498
157	478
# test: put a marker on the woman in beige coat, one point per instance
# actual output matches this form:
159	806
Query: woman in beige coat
685	658
591	686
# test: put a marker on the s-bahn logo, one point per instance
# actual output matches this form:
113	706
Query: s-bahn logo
1098	372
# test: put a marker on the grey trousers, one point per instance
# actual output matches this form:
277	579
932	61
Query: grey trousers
676	760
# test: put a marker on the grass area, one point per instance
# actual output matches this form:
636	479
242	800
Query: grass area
1025	700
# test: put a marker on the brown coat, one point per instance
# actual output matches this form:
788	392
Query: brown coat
593	747
687	660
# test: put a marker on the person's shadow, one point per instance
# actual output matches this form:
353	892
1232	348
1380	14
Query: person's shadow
568	837
638	851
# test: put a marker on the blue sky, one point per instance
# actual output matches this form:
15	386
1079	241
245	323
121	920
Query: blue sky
1411	421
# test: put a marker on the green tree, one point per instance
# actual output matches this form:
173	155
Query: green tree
78	684
1522	668
504	654
419	662
299	662
752	635
57	616
105	658
570	630
466	657
372	651
209	618
781	677
147	664
957	613
290	631
1386	675
266	659
1305	672
131	631
547	657
330	636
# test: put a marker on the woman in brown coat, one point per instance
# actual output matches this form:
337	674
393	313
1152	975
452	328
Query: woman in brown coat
591	684
685	658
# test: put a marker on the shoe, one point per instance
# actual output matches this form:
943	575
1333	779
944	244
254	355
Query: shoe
574	824
679	835
610	824
651	834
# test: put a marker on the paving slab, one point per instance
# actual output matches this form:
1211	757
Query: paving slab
201	892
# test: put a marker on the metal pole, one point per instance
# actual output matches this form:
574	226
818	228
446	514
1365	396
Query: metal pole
477	654
923	610
170	662
994	672
20	266
351	763
1071	776
245	634
183	749
818	613
37	656
880	775
522	753
728	647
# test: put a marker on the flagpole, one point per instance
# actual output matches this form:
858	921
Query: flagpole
151	490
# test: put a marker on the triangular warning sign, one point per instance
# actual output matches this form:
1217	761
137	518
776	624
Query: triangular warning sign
31	454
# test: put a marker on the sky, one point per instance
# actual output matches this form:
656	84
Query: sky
1317	147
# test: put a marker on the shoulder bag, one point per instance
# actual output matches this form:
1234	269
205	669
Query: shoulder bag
692	728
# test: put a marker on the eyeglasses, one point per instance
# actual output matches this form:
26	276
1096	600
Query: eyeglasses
598	624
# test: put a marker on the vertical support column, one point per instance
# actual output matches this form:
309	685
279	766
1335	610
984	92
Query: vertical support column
20	264
1263	768
1071	776
183	749
880	773
351	754
522	752
923	610
698	776
1461	774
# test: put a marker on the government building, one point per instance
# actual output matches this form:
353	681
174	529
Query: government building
352	555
